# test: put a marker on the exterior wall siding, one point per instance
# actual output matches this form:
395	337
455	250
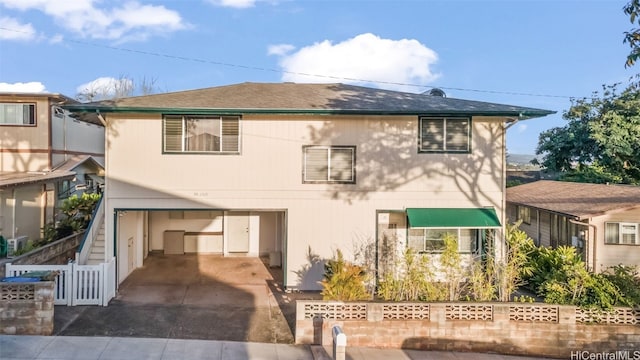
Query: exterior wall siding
614	254
28	216
267	175
70	136
545	228
29	213
28	144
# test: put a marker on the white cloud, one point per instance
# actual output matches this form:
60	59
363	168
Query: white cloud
56	39
280	49
522	128
17	30
365	59
131	20
105	87
238	4
28	87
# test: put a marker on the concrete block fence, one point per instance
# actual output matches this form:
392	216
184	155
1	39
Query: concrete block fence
506	328
26	308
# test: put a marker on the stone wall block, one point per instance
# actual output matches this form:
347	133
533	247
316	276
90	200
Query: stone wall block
374	311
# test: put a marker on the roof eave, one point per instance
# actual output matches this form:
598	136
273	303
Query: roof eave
580	216
36	180
207	111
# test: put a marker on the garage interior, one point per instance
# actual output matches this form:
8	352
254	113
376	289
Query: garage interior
228	233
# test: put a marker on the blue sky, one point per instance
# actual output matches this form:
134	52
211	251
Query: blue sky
479	50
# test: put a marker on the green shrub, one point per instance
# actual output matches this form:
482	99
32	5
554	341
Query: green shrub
627	280
512	273
29	247
451	266
411	281
77	210
75	215
481	282
561	277
343	280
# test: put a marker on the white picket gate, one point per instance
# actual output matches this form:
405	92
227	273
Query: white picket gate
77	284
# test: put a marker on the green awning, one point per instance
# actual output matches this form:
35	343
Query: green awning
453	218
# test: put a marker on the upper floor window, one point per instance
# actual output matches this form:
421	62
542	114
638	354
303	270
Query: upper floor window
622	233
201	134
17	114
329	164
445	134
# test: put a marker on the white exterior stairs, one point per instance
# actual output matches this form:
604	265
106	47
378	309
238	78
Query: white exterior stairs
96	255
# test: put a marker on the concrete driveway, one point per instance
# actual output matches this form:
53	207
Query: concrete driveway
192	297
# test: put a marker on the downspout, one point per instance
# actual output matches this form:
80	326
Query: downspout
595	242
13	213
509	123
64	135
538	233
50	136
44	203
101	118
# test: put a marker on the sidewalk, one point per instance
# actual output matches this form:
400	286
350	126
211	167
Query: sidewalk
118	348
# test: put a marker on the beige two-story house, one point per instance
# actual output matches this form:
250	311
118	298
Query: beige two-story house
292	170
46	155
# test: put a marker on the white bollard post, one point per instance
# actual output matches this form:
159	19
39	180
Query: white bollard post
339	343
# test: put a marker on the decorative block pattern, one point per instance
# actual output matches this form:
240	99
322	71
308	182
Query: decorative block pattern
405	311
336	311
12	292
468	312
618	316
533	313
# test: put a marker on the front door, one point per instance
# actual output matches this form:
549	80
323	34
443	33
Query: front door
238	232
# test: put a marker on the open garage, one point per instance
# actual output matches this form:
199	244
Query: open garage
241	233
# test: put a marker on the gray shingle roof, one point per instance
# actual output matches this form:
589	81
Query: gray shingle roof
12	179
292	97
575	199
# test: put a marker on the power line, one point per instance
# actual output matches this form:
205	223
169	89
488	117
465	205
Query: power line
339	78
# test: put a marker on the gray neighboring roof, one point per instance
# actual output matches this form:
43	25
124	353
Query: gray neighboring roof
77	160
305	98
14	179
579	200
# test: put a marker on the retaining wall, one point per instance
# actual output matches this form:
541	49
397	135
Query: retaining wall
58	252
505	328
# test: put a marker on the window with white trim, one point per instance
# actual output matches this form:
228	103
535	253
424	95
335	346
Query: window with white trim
445	134
431	240
329	164
201	134
17	114
622	233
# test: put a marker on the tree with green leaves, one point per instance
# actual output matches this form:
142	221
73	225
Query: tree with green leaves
632	37
601	142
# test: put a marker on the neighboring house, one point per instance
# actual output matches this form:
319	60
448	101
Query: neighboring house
88	177
602	221
297	171
43	150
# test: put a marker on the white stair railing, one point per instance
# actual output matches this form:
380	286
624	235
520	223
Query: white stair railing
91	233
